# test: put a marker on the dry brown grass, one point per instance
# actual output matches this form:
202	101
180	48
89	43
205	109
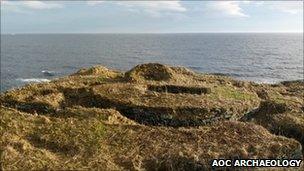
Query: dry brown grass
279	118
106	120
40	142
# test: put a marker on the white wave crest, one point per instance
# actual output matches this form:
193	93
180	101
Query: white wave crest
48	73
35	80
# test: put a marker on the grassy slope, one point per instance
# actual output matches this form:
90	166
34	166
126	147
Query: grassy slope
62	124
78	142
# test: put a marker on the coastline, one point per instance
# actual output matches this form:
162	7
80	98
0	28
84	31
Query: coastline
32	80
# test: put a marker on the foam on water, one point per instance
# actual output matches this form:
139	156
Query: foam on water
48	73
35	80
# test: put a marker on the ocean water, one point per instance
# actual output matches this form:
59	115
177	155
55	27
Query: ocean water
258	57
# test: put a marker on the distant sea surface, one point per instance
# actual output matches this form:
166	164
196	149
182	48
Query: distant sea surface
259	57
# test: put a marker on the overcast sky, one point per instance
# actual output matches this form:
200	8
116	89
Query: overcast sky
150	17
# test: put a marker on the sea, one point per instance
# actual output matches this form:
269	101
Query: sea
258	57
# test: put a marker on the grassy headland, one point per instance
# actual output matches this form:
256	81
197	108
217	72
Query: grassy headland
152	117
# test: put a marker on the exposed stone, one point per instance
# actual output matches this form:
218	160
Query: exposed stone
179	89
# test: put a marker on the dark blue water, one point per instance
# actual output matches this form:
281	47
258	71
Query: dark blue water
256	57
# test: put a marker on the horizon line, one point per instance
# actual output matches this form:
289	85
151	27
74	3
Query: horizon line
154	32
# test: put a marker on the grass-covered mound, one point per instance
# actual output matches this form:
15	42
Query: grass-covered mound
87	138
152	117
281	110
280	119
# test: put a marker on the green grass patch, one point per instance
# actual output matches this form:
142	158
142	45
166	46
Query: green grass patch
100	130
279	98
225	92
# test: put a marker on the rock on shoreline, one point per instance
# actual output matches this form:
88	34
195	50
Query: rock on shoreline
152	117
